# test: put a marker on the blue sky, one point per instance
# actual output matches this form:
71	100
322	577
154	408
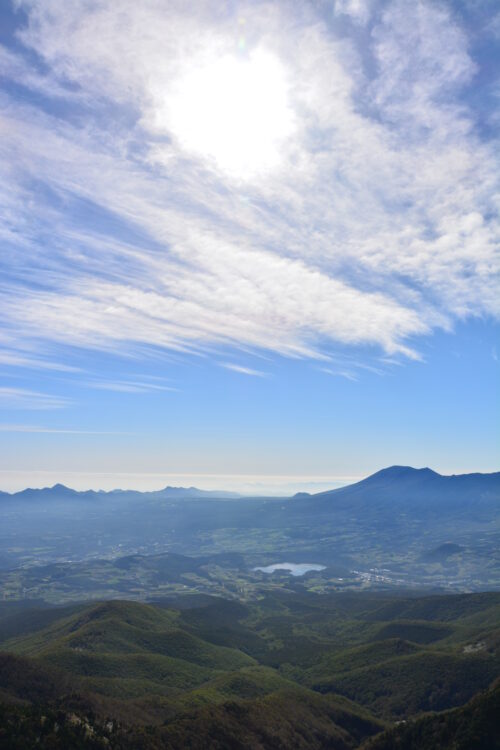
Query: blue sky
247	245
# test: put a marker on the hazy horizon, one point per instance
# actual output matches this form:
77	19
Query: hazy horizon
244	484
241	483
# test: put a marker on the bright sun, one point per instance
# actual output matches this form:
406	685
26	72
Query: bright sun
235	112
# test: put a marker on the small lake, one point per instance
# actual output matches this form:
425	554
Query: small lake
296	569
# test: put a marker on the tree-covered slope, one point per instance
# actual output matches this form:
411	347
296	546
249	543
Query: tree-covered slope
285	670
475	726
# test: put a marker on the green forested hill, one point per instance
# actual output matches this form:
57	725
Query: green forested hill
475	726
284	671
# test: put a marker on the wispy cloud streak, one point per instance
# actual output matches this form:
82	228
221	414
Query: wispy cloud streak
34	429
243	370
21	398
130	386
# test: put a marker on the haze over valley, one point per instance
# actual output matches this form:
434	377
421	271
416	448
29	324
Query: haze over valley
399	527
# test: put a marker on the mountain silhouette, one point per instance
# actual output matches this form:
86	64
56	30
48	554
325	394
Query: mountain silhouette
412	488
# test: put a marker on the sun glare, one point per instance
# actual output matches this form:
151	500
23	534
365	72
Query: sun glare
235	112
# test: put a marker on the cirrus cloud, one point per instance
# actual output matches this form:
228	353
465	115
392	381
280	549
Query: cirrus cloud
377	223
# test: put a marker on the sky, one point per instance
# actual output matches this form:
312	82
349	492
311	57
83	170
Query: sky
249	246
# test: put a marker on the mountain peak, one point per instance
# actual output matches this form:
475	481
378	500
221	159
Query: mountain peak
398	472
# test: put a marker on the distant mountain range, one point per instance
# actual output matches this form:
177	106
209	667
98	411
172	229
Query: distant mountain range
60	491
395	483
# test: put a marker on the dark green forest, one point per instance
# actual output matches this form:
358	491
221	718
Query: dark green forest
289	670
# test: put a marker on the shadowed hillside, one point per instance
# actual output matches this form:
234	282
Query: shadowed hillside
475	726
288	670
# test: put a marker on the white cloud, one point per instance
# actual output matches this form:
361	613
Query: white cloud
243	370
494	26
358	10
49	430
14	68
423	59
126	386
21	398
378	224
14	359
347	374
